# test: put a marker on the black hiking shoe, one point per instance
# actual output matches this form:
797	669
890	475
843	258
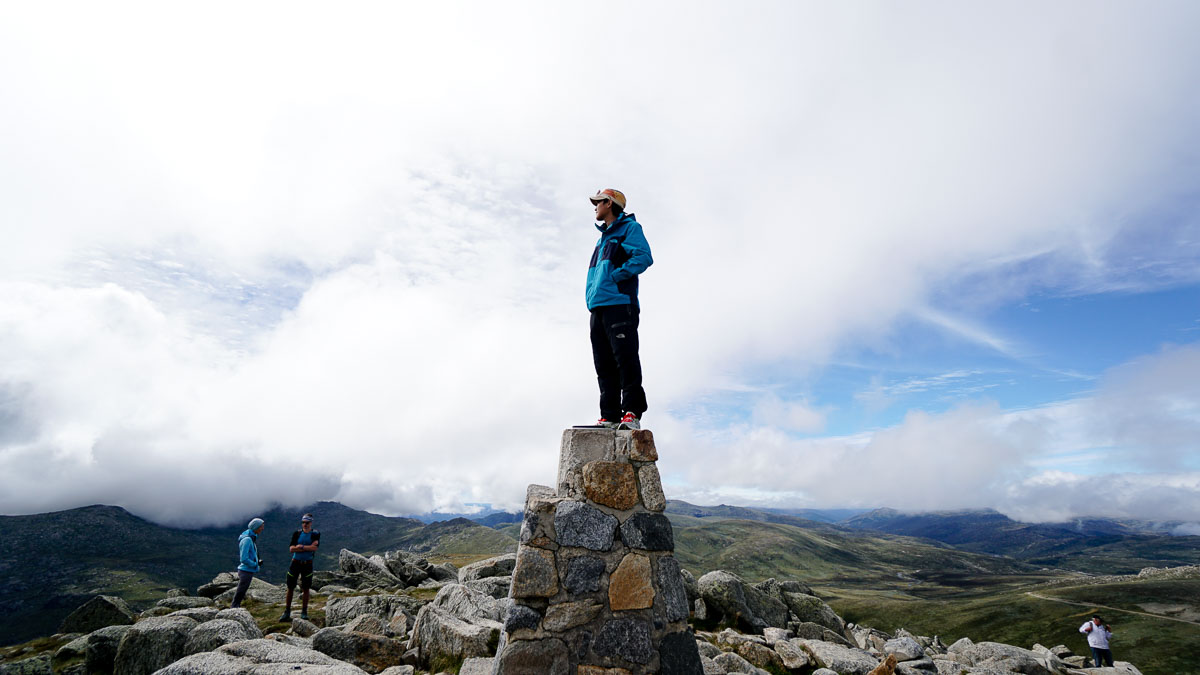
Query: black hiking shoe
287	616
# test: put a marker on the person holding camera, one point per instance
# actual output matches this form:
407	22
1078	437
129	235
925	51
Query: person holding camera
1098	634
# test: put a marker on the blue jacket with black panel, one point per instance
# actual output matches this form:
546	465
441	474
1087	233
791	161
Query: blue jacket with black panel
621	254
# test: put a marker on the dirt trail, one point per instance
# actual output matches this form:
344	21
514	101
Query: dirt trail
1115	609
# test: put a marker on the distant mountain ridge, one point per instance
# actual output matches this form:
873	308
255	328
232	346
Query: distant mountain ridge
1085	544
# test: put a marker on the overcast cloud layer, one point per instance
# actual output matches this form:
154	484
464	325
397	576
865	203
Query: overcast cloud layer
289	253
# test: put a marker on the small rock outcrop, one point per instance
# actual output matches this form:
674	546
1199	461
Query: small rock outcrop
210	635
341	610
499	566
372	653
260	656
595	587
152	644
459	623
259	590
101	654
97	613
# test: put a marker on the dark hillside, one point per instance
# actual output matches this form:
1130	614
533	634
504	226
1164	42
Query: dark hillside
50	563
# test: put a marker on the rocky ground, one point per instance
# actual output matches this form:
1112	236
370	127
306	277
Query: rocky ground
1160	573
398	614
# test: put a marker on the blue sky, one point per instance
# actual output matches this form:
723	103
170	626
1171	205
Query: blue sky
1057	348
930	257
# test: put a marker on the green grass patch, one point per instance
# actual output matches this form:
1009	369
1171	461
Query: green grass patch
423	594
445	664
32	648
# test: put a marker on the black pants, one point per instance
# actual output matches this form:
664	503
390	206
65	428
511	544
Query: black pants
1101	657
244	579
618	368
300	571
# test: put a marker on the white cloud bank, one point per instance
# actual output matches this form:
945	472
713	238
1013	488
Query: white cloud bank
980	456
308	255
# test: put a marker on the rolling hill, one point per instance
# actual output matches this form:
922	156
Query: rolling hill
1093	545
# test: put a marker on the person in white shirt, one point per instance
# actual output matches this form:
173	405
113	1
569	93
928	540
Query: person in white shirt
1098	634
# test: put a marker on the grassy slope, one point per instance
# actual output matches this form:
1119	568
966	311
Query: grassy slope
756	550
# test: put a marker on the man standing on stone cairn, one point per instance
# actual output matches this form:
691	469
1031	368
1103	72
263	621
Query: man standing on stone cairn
612	287
250	562
304	548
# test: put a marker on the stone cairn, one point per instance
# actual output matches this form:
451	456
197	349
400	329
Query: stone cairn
597	589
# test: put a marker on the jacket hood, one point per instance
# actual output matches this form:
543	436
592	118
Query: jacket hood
623	217
247	533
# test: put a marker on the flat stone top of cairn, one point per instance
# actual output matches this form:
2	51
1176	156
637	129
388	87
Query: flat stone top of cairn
581	447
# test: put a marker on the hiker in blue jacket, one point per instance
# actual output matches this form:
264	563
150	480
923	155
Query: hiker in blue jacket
612	287
305	542
250	562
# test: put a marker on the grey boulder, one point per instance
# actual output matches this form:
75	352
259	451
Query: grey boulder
406	567
213	634
102	648
844	660
259	590
905	649
220	583
260	657
997	656
374	568
371	625
198	614
476	665
341	609
185	602
443	572
728	662
243	617
812	609
469	604
497	587
70	655
499	566
372	653
439	633
152	644
726	595
99	612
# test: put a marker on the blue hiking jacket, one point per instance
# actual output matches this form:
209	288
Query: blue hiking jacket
248	547
621	254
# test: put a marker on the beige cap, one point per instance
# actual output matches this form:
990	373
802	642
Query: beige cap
616	196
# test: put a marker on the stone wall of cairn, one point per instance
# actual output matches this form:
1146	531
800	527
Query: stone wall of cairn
597	589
